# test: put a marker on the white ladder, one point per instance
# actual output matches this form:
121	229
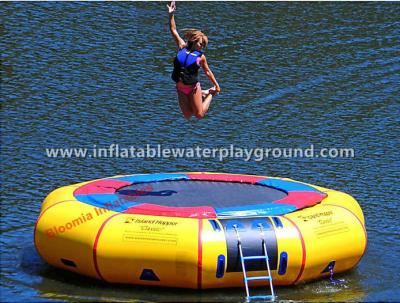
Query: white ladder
246	279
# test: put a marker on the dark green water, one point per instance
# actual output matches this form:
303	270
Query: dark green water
292	74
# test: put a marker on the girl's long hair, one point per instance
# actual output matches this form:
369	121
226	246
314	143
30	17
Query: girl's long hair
193	36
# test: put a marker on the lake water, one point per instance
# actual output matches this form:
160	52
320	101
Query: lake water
79	74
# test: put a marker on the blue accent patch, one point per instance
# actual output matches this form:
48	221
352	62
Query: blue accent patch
151	178
215	225
109	201
278	222
288	186
267	209
220	267
115	203
283	261
149	275
329	267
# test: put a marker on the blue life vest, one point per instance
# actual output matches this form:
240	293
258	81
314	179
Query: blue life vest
186	68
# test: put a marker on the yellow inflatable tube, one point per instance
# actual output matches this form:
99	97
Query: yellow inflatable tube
108	229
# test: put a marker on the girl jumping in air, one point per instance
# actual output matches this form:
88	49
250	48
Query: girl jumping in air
189	59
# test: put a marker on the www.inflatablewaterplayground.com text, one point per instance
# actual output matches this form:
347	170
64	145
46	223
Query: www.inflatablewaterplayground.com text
220	153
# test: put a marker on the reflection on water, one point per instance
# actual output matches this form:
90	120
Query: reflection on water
292	74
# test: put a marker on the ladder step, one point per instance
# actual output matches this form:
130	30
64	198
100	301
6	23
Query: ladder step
261	297
258	278
246	279
255	258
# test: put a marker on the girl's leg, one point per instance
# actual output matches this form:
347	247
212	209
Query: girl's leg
197	103
185	105
207	101
200	105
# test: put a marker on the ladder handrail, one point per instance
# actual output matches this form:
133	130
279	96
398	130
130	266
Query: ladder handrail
267	259
242	259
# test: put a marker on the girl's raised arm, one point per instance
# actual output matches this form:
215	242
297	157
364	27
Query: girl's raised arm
178	40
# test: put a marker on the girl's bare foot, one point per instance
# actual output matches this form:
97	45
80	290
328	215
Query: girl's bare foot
213	91
206	92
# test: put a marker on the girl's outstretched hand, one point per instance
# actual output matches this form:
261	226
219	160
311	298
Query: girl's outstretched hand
171	7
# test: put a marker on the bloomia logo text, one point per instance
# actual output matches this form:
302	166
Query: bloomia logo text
96	212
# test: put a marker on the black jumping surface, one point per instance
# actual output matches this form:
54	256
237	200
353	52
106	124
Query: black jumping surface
183	193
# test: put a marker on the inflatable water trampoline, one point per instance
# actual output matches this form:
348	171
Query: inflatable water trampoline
195	230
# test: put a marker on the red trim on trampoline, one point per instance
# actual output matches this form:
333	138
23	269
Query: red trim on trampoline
103	186
200	255
302	199
225	177
96	241
362	225
183	212
303	247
